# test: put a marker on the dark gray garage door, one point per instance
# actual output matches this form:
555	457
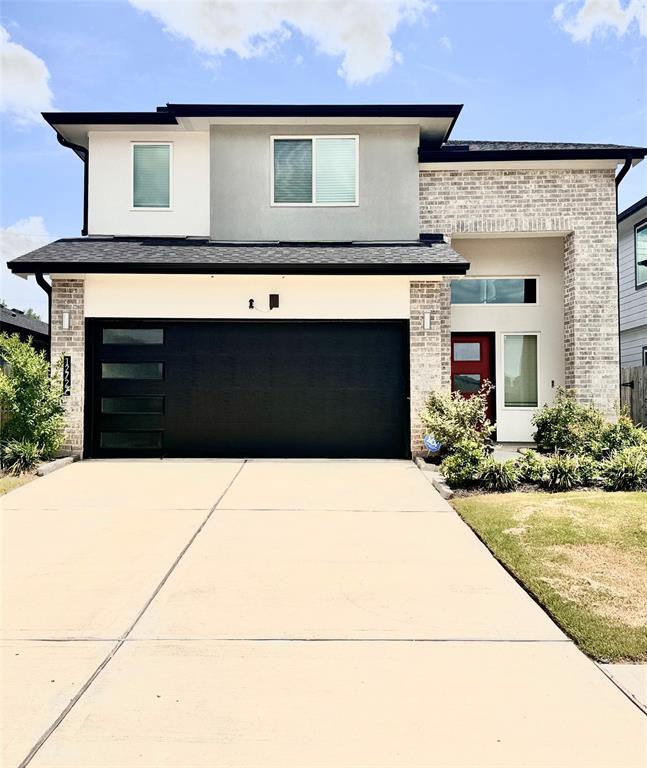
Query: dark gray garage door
257	389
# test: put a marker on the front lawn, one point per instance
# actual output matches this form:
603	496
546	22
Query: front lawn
10	482
583	555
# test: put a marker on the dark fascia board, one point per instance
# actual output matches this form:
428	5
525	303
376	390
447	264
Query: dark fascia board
633	209
507	155
313	110
109	118
27	267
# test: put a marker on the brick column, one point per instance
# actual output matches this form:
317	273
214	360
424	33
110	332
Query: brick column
67	296
591	340
430	352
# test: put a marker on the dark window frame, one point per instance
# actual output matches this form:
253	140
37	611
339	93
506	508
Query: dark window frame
638	226
132	362
644	356
131	343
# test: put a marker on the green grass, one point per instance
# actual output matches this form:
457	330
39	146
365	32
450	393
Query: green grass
11	482
582	555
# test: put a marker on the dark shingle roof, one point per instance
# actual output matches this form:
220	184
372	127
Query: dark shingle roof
506	146
432	256
637	206
19	319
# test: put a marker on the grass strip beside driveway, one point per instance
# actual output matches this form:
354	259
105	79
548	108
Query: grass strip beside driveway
11	482
583	555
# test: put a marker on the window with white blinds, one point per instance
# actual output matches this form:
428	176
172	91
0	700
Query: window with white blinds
151	175
315	170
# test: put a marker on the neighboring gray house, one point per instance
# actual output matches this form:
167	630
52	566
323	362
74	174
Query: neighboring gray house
15	321
293	280
632	245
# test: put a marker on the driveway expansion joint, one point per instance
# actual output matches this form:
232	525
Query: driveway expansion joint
75	699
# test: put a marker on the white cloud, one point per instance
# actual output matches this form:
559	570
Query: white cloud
358	31
22	237
446	43
582	20
24	86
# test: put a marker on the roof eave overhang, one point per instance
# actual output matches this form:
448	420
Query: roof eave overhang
26	267
505	156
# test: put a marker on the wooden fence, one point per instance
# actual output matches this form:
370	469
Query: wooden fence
633	393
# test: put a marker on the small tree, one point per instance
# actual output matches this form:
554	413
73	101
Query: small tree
31	401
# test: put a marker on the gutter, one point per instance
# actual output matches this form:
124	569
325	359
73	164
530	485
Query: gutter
623	172
48	290
84	154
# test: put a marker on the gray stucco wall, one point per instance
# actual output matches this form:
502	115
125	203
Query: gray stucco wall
240	187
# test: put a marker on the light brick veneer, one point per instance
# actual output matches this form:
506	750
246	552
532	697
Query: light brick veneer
579	204
67	296
429	349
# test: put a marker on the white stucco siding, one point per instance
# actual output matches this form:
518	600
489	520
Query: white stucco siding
110	186
227	297
540	257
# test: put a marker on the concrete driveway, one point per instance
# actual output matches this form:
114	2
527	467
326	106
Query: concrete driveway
289	614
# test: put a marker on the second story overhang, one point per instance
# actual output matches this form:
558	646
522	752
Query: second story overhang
434	121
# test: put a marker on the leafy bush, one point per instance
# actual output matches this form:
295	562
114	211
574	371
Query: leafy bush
31	402
625	470
623	434
589	470
561	473
20	456
568	426
452	418
531	467
499	476
461	468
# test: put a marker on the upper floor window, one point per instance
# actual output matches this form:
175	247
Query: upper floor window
499	290
315	170
151	175
641	253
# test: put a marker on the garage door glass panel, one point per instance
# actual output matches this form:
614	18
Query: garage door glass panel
138	371
144	441
133	336
120	405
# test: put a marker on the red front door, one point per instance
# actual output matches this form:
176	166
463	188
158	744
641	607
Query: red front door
472	355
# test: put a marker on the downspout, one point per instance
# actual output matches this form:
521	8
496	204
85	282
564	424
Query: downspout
623	172
83	153
48	290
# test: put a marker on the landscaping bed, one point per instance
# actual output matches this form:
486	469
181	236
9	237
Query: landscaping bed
582	555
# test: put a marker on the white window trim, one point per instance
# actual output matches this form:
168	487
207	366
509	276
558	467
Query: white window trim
523	408
313	137
168	144
535	303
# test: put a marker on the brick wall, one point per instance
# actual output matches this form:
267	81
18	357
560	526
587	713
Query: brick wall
579	204
429	349
67	296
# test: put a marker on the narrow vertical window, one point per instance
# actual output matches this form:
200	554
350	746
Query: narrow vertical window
641	254
151	175
520	371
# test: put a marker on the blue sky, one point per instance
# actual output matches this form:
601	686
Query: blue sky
523	71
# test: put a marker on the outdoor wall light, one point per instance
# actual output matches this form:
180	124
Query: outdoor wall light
426	321
66	321
274	301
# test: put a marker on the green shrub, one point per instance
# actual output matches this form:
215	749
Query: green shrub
531	467
499	476
561	473
462	467
623	434
20	456
32	404
589	470
625	470
568	426
452	418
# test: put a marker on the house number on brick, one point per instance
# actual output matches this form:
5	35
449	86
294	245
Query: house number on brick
67	375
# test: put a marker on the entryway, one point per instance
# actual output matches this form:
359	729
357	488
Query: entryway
472	364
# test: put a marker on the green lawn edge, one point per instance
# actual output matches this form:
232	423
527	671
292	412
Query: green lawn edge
598	637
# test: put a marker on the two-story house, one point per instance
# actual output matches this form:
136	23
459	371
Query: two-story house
632	249
294	280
